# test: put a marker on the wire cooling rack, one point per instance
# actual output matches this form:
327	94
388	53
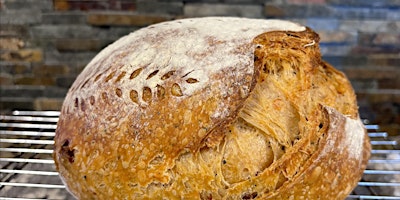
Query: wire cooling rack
27	169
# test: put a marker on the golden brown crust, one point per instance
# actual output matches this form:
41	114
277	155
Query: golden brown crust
150	117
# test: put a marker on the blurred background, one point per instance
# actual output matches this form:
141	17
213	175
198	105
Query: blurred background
44	44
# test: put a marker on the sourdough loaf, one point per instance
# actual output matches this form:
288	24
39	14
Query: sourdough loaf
211	108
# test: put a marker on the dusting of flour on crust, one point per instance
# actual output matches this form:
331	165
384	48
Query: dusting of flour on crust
198	47
353	133
354	130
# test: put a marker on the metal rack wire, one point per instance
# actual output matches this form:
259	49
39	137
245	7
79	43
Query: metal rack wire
27	168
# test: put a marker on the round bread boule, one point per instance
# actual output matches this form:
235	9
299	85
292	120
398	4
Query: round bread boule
211	108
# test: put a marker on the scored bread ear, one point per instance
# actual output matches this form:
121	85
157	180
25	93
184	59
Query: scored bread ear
307	112
332	170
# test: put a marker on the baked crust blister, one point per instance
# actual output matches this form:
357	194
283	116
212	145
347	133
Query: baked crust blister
211	108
